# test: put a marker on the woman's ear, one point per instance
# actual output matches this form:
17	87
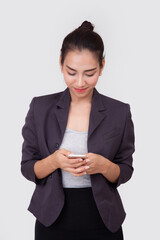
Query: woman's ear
60	63
101	69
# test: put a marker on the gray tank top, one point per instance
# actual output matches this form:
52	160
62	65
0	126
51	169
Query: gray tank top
76	142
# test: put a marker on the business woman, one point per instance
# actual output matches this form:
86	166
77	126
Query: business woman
78	198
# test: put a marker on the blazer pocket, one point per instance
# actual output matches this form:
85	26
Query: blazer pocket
112	133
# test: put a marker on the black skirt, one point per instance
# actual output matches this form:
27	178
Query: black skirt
78	220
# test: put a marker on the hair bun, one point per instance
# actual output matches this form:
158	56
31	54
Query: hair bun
87	26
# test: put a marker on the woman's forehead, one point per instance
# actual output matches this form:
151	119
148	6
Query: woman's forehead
81	58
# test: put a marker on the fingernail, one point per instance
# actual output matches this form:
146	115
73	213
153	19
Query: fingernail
87	160
86	167
80	159
84	173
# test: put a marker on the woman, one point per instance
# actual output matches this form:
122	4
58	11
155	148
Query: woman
78	198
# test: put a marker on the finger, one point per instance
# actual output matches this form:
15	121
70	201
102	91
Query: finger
77	165
75	160
71	164
71	170
80	169
80	174
76	170
82	163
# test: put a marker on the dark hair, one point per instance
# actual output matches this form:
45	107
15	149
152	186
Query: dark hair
81	38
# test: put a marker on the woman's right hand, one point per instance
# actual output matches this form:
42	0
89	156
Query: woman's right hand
70	165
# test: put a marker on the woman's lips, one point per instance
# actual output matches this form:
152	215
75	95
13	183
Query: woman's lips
80	90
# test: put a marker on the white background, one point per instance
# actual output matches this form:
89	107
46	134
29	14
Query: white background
31	35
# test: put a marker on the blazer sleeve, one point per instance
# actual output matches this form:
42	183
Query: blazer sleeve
30	148
124	158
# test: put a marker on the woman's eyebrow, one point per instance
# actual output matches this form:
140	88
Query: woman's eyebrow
85	70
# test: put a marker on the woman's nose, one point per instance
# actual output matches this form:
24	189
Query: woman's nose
80	81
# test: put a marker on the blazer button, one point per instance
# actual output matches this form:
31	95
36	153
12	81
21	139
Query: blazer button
56	145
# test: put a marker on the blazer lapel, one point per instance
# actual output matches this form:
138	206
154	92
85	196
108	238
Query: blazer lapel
98	112
62	110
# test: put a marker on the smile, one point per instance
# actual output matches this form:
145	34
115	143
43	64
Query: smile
80	90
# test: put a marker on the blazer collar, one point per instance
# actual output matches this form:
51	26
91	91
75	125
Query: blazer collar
65	99
97	113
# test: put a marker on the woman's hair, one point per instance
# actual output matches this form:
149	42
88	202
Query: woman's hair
81	38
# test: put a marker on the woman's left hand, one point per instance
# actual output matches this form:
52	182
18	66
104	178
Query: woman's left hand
97	163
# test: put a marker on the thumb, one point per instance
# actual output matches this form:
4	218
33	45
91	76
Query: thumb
66	152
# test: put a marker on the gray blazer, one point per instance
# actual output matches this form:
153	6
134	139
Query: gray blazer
110	134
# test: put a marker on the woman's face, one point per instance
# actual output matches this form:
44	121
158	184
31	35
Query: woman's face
81	70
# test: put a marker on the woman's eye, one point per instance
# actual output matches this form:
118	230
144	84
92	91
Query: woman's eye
72	74
89	75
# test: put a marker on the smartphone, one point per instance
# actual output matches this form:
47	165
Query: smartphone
71	155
